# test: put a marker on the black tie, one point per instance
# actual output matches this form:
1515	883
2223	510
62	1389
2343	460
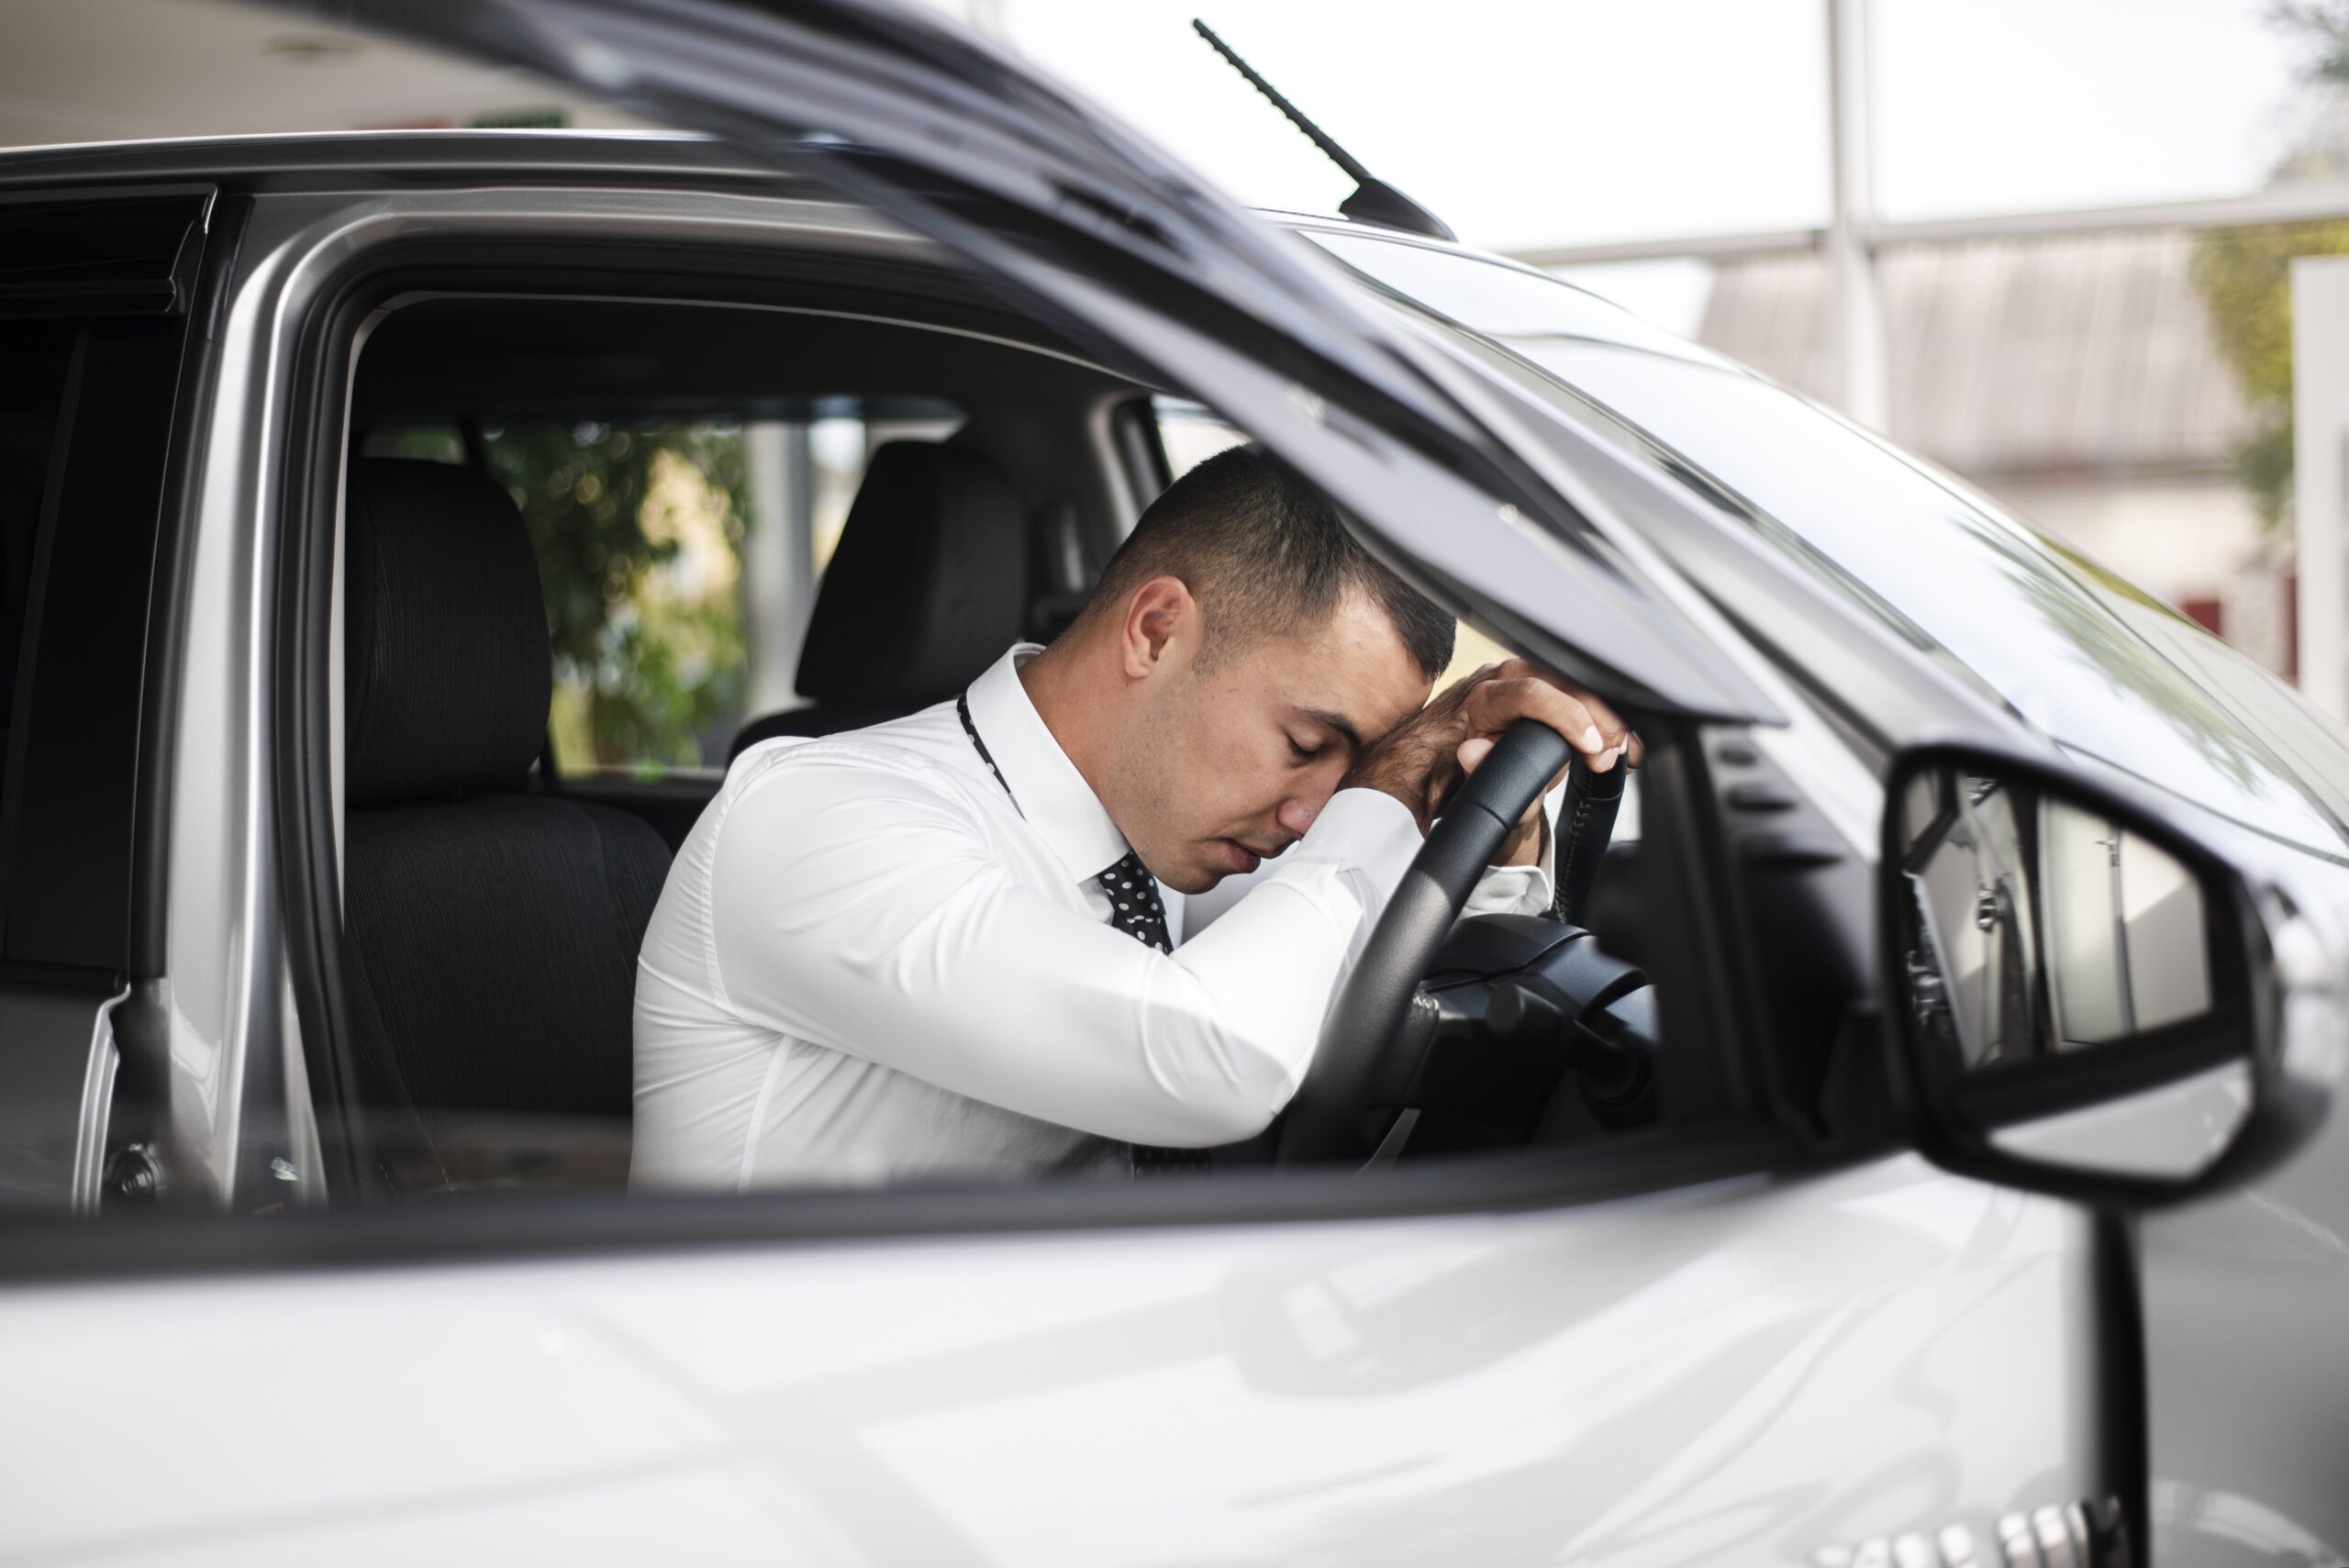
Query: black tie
1134	906
1136	910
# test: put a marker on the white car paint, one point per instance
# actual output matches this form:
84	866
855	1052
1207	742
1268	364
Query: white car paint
1745	1372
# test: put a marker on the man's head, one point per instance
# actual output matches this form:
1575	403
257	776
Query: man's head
1239	652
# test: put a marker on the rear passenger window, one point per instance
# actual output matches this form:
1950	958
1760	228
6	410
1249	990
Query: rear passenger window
34	358
93	300
680	561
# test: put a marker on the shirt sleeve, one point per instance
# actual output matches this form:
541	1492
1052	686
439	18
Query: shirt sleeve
866	910
1519	890
1499	890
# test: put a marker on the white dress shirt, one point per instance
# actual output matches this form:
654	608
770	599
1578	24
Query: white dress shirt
872	962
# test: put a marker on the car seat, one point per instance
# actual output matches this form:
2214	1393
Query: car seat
490	932
927	586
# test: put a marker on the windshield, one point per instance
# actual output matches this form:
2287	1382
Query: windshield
2096	665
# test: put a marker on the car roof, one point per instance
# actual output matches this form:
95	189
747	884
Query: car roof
295	160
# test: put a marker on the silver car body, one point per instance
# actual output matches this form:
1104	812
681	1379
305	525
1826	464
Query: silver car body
1796	1369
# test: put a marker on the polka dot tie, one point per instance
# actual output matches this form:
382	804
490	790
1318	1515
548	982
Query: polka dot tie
1136	910
1134	906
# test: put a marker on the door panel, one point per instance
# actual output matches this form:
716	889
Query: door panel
1747	1373
2248	1392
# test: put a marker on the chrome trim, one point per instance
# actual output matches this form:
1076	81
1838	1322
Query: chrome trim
97	1107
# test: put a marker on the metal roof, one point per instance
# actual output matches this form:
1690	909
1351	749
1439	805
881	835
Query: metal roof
2066	354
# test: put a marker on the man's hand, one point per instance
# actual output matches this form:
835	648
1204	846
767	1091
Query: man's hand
1422	760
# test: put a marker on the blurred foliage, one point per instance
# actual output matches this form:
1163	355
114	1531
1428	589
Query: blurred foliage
639	533
2325	25
2244	275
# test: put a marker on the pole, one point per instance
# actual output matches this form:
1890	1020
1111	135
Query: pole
1855	298
2321	476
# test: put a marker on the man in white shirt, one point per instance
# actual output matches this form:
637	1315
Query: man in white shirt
954	944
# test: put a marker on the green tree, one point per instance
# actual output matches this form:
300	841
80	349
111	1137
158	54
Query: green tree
2244	278
639	533
2244	275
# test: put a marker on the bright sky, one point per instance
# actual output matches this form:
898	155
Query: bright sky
1543	122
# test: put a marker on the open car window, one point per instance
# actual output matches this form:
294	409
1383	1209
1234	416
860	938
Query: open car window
459	1079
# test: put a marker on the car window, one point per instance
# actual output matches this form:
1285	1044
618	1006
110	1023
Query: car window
650	535
86	411
2098	665
35	359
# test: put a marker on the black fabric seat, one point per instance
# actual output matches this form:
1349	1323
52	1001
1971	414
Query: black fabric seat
490	935
927	586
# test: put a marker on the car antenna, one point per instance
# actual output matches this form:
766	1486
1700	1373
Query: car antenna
1373	201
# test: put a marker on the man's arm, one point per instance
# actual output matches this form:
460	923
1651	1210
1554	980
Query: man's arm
862	908
1502	889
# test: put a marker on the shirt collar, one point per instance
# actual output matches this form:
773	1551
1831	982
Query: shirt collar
1051	794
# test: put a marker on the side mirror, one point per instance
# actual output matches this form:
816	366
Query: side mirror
2081	999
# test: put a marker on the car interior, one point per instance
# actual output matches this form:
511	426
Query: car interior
498	882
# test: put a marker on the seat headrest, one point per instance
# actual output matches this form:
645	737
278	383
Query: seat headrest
447	675
927	586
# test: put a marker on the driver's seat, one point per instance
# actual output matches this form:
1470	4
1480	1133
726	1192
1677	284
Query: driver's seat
490	932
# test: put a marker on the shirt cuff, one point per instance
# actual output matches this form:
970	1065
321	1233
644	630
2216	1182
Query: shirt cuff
1372	831
1367	830
1518	890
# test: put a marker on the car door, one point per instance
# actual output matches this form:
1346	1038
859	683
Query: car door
1664	1358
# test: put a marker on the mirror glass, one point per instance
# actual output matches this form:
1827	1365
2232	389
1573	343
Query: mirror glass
2043	933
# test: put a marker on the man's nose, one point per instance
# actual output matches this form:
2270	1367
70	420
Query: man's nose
1297	812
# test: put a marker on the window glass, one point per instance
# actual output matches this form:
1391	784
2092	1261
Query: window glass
639	529
86	412
2077	652
679	560
2074	649
34	360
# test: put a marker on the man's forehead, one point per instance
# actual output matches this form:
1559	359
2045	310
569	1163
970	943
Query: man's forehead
1356	669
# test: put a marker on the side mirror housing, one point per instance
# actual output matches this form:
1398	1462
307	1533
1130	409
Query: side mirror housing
2080	998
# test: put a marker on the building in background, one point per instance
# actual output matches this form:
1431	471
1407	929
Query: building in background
2074	379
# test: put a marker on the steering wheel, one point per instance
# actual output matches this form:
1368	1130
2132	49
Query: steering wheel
1338	1113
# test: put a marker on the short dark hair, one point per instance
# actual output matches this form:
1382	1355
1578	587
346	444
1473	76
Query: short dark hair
1265	555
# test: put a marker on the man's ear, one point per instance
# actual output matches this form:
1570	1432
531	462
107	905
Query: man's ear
1163	621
